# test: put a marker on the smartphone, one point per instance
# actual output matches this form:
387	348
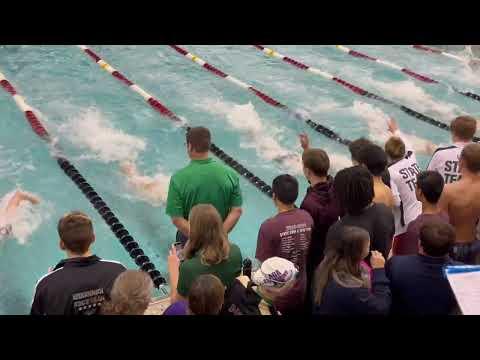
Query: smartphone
179	249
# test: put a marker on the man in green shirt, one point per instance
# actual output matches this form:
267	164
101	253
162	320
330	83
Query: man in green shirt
203	181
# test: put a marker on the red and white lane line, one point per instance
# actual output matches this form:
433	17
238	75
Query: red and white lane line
409	72
269	100
438	51
154	103
356	89
32	119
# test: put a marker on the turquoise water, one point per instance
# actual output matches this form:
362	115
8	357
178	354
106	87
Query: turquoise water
99	122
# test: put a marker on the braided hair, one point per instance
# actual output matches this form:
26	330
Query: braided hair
354	189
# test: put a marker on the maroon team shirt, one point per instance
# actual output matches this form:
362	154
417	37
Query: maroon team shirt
288	235
408	243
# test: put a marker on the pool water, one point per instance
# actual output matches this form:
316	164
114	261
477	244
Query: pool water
99	122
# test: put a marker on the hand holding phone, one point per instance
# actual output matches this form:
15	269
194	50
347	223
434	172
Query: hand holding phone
179	249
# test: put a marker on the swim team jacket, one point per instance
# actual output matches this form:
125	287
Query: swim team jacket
403	174
76	286
446	161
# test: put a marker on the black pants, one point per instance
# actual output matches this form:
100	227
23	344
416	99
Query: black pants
466	253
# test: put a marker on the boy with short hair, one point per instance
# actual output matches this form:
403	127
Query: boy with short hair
79	284
287	235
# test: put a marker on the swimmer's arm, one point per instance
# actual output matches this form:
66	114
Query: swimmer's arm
16	199
232	219
182	225
395	131
304	141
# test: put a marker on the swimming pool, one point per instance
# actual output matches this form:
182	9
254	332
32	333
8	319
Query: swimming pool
99	122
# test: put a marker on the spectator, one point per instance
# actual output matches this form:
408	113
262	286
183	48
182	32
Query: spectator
287	235
403	171
461	200
355	148
275	277
203	181
445	160
320	201
342	285
418	284
131	294
375	160
206	297
428	191
354	191
208	251
79	284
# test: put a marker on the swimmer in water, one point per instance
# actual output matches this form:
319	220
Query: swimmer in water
474	64
151	189
9	210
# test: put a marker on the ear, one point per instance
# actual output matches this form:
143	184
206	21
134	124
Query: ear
62	245
94	238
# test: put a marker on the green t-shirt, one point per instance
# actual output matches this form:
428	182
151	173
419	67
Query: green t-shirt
203	182
226	271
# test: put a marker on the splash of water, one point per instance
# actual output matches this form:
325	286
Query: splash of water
377	122
246	119
407	91
90	130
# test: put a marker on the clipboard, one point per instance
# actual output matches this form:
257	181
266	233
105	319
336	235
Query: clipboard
465	283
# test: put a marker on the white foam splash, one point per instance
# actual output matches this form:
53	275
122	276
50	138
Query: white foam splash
377	122
339	162
91	130
407	91
246	119
27	218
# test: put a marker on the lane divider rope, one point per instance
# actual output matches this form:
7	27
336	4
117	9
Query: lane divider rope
357	90
266	98
409	72
122	234
163	110
438	51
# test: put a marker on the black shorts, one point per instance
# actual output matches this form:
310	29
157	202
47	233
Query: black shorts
466	253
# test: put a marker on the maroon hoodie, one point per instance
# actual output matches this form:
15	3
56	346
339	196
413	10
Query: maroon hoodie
320	202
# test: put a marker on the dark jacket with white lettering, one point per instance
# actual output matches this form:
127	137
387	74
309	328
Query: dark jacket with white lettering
76	286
